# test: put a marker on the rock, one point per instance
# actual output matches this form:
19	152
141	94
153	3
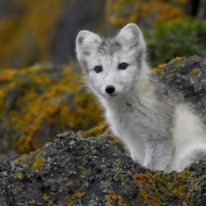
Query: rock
187	74
78	171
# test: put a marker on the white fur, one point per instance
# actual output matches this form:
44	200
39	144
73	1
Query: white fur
158	134
189	136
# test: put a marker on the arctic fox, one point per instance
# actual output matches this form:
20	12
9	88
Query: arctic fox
157	127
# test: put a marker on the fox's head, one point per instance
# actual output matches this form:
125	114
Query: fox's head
112	66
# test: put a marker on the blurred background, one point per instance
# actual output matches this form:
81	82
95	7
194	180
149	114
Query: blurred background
41	92
39	31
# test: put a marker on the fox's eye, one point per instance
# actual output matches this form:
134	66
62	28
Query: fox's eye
122	66
98	69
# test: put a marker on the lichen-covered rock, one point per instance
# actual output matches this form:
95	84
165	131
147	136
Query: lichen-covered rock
41	101
187	74
78	171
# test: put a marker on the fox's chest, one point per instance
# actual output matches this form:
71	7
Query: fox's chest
121	121
127	125
132	120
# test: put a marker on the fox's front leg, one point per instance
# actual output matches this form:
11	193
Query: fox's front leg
159	154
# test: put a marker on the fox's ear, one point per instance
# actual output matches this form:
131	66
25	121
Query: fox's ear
131	36
86	43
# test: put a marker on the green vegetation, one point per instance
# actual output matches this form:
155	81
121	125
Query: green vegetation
176	39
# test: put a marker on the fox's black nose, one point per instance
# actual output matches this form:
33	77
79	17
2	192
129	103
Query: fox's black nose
110	89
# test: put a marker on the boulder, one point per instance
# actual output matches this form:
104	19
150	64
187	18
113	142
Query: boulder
187	75
95	171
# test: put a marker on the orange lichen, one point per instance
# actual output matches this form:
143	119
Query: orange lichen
151	187
144	181
40	101
114	199
157	70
